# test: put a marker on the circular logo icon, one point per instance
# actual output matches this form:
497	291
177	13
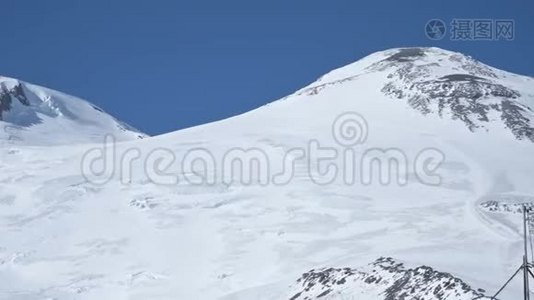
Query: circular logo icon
435	29
350	129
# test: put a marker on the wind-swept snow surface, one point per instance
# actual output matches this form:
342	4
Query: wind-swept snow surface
417	154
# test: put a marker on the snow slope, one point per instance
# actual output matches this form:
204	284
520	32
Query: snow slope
147	236
34	115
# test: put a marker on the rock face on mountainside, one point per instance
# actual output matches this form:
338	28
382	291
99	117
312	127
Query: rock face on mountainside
472	92
34	115
8	95
447	84
383	279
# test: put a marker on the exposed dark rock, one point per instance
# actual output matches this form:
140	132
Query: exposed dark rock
513	115
471	96
462	77
7	96
387	279
508	204
407	54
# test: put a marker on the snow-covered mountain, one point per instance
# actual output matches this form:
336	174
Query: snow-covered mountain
434	81
33	115
309	214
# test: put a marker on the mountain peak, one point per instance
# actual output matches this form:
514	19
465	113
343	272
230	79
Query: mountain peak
447	84
35	115
438	59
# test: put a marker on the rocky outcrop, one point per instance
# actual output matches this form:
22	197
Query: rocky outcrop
473	94
383	279
9	95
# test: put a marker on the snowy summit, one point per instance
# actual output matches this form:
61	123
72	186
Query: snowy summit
31	114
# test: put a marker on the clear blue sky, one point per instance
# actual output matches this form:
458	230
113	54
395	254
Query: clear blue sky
166	65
